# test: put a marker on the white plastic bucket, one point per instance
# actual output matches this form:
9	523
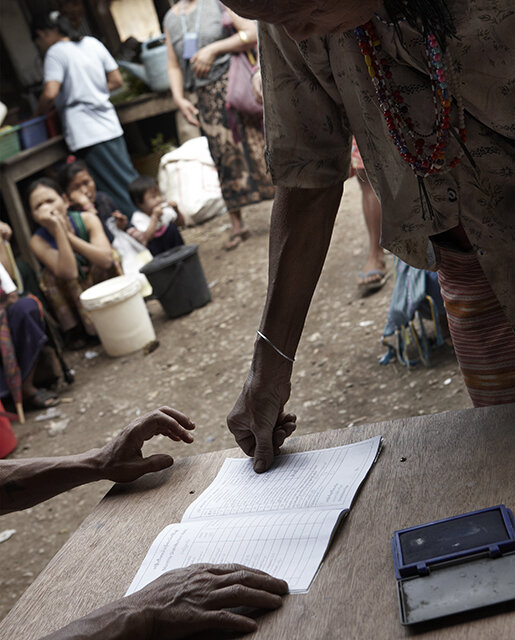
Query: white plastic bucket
119	314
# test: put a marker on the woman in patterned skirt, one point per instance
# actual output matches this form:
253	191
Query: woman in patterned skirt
200	44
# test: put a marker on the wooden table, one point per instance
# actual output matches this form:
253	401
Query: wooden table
431	467
144	106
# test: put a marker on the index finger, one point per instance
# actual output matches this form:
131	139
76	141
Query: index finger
167	422
181	418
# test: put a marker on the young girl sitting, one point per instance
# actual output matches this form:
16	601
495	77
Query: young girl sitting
75	254
155	224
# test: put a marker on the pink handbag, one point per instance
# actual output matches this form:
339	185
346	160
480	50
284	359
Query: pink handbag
240	95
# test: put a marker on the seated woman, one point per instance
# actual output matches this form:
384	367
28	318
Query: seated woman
81	191
82	194
23	336
75	254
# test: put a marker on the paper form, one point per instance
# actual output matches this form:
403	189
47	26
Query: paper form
322	478
280	522
286	545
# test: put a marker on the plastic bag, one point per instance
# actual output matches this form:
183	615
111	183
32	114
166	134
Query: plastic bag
132	254
187	175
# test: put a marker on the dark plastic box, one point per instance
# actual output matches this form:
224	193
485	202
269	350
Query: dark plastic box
33	132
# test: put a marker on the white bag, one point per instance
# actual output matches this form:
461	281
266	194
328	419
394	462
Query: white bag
132	254
187	175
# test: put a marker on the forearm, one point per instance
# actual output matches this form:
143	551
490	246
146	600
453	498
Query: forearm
45	104
66	265
176	83
101	256
150	230
241	41
26	482
48	96
300	233
116	621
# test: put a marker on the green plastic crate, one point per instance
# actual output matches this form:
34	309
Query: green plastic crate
9	142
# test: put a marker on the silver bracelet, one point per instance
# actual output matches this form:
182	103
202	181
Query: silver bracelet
262	335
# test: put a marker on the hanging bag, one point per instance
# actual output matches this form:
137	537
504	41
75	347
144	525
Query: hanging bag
239	86
240	95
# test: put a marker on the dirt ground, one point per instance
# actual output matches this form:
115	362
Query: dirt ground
200	366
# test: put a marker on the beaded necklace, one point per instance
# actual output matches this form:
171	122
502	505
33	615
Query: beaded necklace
423	157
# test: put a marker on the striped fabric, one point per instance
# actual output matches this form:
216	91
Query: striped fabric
484	340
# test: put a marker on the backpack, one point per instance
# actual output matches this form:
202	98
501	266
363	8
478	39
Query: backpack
416	297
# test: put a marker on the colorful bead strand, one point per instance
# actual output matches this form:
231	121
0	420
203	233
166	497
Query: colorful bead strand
423	158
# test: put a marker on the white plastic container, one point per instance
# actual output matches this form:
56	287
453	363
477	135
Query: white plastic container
119	314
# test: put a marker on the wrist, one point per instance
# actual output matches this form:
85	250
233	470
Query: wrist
268	365
214	48
94	464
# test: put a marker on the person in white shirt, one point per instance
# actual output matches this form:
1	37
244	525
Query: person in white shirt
155	225
79	74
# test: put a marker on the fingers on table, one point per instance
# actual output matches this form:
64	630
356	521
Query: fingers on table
227	621
235	574
245	587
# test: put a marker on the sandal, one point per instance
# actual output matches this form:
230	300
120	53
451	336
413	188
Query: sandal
235	239
43	399
367	285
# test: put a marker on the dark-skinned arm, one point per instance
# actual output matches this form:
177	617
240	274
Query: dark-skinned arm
300	233
182	603
26	482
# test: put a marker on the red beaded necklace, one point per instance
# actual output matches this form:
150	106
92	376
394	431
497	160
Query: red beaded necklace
423	157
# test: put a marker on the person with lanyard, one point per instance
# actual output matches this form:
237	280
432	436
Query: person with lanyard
430	104
201	36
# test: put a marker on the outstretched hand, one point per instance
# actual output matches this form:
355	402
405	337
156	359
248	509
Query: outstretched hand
122	459
259	423
186	601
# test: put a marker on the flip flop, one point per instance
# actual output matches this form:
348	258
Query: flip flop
43	399
235	239
374	285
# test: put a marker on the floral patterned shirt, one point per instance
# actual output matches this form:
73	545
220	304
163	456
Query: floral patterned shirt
318	91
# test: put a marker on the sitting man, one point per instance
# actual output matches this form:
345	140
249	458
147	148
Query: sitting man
178	604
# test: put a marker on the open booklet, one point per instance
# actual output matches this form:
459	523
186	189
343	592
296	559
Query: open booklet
280	522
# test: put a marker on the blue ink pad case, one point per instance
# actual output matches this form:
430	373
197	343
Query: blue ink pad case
456	564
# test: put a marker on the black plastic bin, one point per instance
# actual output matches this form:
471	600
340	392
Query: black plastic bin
178	280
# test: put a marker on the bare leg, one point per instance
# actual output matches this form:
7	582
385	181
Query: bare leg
372	214
28	387
239	231
29	390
